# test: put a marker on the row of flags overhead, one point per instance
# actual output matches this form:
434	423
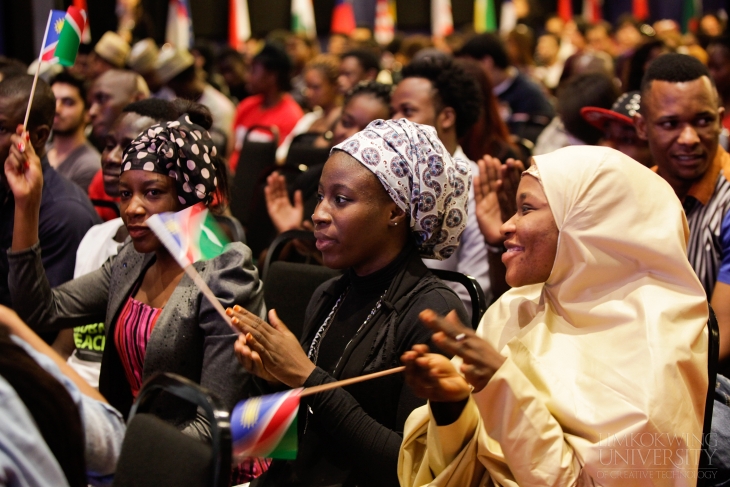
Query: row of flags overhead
486	18
302	19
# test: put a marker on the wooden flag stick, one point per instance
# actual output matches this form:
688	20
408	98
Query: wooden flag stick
195	276
342	383
37	72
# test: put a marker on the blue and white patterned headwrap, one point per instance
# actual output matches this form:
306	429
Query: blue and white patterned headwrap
420	176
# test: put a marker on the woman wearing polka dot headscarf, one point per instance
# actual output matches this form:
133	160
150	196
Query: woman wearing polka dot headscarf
156	318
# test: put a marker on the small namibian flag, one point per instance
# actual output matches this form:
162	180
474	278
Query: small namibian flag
190	235
63	36
266	426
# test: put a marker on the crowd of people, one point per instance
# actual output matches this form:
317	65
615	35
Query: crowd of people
579	174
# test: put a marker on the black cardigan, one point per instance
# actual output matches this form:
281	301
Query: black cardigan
351	436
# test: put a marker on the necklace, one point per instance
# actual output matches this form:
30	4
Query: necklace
313	352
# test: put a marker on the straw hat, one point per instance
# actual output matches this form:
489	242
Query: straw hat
143	56
112	49
172	61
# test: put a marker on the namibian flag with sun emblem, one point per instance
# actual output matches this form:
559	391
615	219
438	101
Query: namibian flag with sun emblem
266	426
64	36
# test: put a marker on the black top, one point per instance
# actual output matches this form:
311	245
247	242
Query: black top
360	298
352	436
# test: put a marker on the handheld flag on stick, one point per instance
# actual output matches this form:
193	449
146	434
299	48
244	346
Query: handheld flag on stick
60	43
266	426
191	235
63	36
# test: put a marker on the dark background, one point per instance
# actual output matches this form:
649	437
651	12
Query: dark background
20	19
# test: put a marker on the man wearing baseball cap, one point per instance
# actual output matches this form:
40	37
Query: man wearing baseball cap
618	128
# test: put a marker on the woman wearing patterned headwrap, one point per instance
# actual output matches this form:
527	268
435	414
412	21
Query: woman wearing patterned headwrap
156	318
388	195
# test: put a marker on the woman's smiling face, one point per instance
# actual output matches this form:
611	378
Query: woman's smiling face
531	236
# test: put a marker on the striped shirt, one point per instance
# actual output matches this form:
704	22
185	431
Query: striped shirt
133	330
706	206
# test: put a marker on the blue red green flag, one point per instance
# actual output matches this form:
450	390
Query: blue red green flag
266	426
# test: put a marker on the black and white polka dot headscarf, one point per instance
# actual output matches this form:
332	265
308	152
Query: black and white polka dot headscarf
181	150
421	178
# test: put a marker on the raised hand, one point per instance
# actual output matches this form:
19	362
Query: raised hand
486	187
23	171
509	174
481	360
284	215
433	377
270	350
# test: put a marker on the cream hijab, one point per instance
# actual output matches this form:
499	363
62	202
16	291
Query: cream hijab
612	345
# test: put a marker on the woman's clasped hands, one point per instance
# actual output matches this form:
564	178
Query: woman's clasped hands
269	350
434	377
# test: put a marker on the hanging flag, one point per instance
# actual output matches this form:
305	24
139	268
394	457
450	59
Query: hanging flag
640	9
565	10
266	426
384	21
302	18
485	16
63	36
343	18
508	17
691	11
239	23
190	235
86	36
592	11
179	31
442	22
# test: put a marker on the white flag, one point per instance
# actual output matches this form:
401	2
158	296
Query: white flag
442	22
302	18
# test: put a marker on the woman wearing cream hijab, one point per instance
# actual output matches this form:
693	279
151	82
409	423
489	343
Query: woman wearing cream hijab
601	373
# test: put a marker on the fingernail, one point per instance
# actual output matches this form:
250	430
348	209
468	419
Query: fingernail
229	311
235	321
237	308
21	146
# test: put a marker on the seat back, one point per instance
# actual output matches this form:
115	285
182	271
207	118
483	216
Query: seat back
288	287
304	156
713	356
476	293
233	228
254	162
155	453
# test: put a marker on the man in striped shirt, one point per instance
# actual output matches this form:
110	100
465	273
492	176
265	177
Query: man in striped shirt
680	116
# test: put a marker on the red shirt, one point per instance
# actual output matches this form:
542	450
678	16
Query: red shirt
284	116
96	192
